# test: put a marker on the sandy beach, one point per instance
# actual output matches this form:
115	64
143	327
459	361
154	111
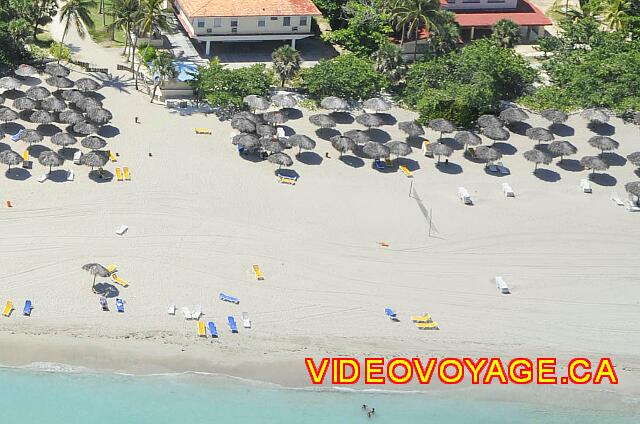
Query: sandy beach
199	216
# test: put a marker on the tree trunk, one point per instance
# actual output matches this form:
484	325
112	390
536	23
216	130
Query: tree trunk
404	26
153	94
64	34
415	47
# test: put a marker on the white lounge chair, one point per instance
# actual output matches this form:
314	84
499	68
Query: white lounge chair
507	190
76	157
246	322
502	285
632	206
123	229
280	132
197	313
43	178
616	199
70	175
585	186
186	312
463	194
171	310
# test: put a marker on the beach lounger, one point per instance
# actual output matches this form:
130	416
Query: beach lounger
171	310
197	313
280	132
203	131
493	168
507	190
427	325
503	170
227	298
585	186
112	268
8	308
76	157
379	165
127	174
632	207
463	194
421	318
28	307
119	174
202	332
121	230
70	175
119	280
187	313
392	315
240	149
406	171
246	322
212	329
25	155
502	285
42	178
119	305
616	199
257	272
425	148
286	180
103	303
232	324
17	136
112	157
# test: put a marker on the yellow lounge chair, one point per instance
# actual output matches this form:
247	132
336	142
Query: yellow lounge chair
112	268
421	318
427	325
286	180
25	155
201	329
8	308
203	131
406	171
258	272
127	175
119	280
119	174
112	157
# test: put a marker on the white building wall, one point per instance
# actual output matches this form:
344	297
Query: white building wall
481	4
250	25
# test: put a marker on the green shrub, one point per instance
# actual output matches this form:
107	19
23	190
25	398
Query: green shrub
57	53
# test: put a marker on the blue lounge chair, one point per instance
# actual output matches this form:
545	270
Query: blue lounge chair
17	136
119	305
392	315
228	298
379	164
103	303
240	149
27	308
212	329
232	324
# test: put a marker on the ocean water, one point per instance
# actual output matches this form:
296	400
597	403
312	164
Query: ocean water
67	397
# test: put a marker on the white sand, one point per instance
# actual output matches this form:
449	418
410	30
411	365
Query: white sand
199	216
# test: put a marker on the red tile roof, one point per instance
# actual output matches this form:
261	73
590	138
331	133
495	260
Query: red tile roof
525	15
239	8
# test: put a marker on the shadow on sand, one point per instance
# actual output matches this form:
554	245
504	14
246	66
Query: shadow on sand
506	149
562	130
309	158
603	179
107	290
547	175
570	165
108	131
18	174
449	168
613	159
99	177
342	118
352	161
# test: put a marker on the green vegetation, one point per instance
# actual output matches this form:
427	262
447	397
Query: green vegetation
226	88
506	33
147	53
75	13
163	69
103	31
590	68
59	51
346	76
464	84
286	63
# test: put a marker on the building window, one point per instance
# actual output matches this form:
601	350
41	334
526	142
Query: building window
200	24
303	21
451	1
286	21
234	29
495	1
262	22
234	22
217	22
470	1
274	18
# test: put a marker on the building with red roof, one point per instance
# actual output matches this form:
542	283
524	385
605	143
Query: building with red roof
246	20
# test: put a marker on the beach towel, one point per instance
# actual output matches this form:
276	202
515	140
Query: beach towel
8	308
257	272
227	298
119	280
232	324
202	332
27	308
212	329
119	305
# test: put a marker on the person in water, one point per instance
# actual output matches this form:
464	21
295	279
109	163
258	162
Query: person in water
364	406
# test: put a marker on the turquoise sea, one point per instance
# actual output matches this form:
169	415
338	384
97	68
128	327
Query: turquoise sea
83	397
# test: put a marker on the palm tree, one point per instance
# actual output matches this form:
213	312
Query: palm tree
286	62
615	14
163	70
125	15
388	61
78	13
506	33
413	15
152	18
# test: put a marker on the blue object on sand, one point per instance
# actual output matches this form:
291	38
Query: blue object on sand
119	305
379	164
232	324
212	329
17	135
228	298
27	308
390	312
240	149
